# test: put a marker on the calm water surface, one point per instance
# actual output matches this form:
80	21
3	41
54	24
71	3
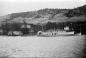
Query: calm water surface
55	47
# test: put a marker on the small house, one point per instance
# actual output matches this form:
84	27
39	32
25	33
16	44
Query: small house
15	33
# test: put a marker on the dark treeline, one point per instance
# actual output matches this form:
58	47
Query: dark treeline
73	26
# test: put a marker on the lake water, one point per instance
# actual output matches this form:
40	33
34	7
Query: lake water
33	46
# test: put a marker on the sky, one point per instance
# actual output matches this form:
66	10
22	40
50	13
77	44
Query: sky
14	6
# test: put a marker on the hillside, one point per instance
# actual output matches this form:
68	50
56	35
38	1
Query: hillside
79	11
47	15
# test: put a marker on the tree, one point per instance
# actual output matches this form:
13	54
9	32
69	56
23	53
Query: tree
25	29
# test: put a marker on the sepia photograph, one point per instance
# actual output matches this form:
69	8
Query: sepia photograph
42	28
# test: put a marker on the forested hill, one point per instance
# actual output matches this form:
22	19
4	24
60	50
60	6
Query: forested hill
79	11
46	15
39	13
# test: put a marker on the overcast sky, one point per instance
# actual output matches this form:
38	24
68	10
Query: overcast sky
13	6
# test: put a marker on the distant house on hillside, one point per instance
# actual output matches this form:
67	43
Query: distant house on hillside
27	26
27	29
